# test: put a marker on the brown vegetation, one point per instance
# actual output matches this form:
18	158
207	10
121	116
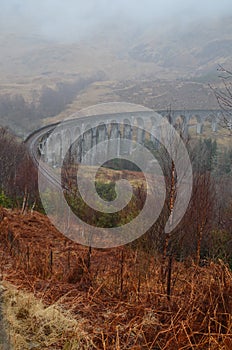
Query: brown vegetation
18	176
119	297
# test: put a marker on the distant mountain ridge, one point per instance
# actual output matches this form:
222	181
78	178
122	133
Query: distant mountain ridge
157	65
194	49
122	51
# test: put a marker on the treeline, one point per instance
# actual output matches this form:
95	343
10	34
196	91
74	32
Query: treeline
22	115
207	156
205	230
18	176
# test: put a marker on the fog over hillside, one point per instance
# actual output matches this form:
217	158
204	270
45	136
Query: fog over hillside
132	46
190	37
73	19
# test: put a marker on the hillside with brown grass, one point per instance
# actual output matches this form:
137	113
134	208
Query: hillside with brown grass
172	66
106	299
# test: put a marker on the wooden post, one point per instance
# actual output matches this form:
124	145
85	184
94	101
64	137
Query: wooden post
88	264
51	261
69	259
28	257
121	273
169	277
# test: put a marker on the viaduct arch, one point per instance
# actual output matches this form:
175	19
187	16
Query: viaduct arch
118	128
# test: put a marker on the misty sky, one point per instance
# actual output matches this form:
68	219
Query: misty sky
59	18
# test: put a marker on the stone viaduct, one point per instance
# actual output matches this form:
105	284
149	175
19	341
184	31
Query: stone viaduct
80	135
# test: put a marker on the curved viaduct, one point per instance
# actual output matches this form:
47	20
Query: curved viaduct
81	134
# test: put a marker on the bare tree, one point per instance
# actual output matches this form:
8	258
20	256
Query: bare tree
18	177
224	96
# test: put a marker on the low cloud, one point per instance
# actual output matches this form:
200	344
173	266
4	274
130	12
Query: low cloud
76	18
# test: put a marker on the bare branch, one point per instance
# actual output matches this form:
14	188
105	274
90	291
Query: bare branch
224	97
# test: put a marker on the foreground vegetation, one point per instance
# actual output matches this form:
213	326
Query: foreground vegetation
204	232
163	291
107	299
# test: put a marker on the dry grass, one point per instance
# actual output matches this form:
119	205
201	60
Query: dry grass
32	325
119	302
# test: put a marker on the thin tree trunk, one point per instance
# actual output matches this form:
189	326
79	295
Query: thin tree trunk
199	240
168	235
25	199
